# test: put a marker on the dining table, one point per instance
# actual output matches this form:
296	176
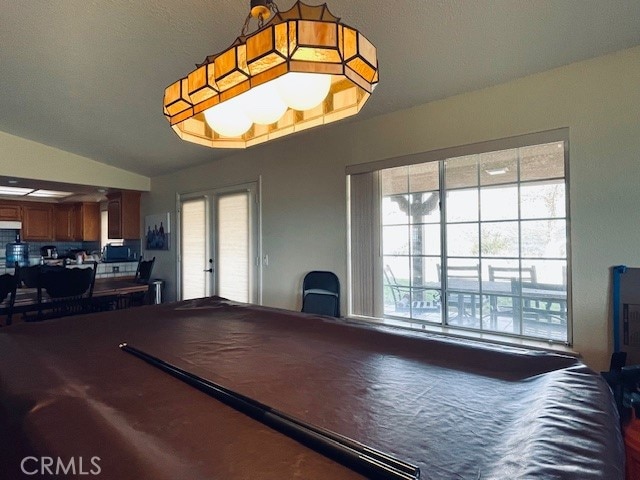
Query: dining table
107	294
537	303
467	295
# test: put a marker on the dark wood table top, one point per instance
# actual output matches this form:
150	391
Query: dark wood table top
118	285
103	287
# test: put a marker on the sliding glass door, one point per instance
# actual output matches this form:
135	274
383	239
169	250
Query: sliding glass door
478	241
219	249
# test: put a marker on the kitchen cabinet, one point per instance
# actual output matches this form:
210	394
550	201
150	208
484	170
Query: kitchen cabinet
37	221
88	222
77	222
65	222
10	211
123	214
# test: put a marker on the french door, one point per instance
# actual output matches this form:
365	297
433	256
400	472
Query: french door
219	244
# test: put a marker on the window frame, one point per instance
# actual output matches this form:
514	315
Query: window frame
376	311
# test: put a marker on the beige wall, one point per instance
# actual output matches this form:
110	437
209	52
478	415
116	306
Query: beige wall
23	158
303	181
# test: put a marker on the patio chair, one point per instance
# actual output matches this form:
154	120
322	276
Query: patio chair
460	278
400	294
543	307
506	274
402	298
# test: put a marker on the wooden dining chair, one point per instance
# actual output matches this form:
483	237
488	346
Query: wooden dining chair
68	291
29	276
142	276
143	272
8	284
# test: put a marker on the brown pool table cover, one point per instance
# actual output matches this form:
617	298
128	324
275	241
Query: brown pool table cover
456	409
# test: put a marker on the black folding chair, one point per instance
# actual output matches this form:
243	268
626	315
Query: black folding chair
321	293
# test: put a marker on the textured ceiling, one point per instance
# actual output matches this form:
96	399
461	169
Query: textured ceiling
87	76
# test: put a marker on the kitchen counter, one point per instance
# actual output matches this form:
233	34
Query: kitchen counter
105	269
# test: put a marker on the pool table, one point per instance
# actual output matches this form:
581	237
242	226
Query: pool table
457	409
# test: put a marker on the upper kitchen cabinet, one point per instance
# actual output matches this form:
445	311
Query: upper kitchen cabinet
88	222
123	211
77	222
65	222
10	211
37	221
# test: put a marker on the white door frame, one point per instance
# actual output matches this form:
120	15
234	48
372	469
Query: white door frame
254	188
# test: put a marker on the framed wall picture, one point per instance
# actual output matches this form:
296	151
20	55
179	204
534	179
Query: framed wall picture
157	235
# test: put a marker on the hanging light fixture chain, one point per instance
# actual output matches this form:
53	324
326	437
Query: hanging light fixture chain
274	11
262	10
245	27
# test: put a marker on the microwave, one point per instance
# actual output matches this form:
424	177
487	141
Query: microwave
116	253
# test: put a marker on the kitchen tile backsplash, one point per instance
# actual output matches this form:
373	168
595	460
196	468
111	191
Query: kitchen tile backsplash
9	236
105	270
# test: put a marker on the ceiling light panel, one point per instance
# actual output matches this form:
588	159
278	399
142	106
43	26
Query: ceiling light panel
17	191
49	194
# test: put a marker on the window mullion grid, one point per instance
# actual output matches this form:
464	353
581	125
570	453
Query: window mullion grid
519	292
444	295
518	258
567	260
410	256
410	241
479	241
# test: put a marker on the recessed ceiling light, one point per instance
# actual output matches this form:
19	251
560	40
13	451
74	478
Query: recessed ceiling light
102	190
18	191
12	182
49	194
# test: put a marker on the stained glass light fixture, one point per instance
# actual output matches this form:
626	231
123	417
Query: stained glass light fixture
301	69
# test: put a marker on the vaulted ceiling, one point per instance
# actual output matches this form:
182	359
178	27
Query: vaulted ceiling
88	76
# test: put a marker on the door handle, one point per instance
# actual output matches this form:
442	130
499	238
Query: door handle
210	270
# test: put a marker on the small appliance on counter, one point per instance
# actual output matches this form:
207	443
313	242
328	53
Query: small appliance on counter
72	254
116	253
49	251
17	252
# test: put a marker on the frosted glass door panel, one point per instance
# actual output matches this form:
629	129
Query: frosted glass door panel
194	249
233	246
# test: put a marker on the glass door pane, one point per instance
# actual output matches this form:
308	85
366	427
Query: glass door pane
193	243
233	246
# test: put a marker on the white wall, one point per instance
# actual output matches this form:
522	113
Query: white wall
22	158
304	204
